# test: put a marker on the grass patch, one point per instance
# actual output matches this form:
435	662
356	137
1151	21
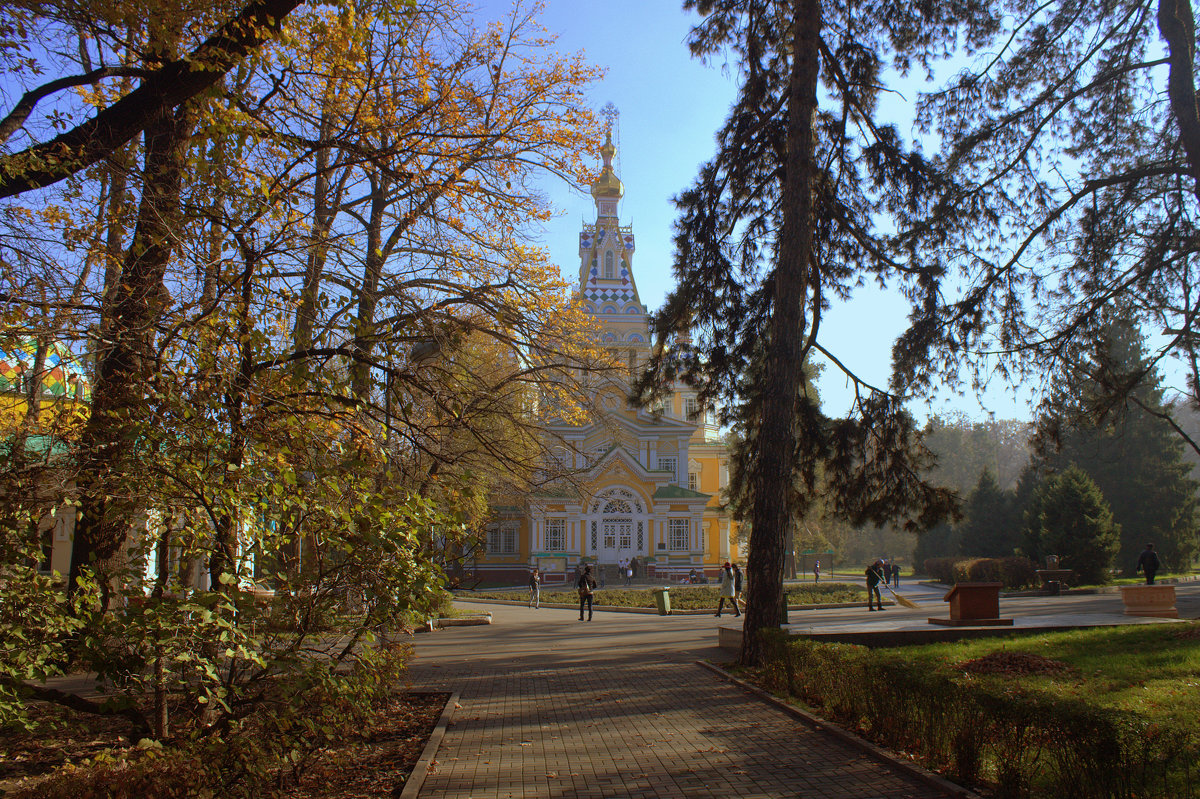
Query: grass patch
1152	670
684	597
1096	712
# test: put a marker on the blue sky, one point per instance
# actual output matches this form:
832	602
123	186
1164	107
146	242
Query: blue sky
670	107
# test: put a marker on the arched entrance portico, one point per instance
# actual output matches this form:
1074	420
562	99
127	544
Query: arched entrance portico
617	524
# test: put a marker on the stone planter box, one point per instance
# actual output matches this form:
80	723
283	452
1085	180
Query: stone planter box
1150	600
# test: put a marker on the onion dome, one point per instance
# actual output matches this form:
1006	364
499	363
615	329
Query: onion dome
608	185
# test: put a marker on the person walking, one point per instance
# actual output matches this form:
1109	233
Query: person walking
727	591
629	572
816	571
874	577
535	589
895	574
737	584
1148	563
587	589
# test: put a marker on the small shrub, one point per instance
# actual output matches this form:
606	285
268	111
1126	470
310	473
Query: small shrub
941	569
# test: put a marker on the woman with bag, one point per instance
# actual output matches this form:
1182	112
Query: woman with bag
727	592
587	588
535	589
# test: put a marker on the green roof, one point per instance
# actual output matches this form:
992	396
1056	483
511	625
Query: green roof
39	446
677	492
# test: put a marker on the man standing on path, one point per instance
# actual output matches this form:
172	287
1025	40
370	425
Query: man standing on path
895	574
587	587
727	591
816	571
1148	563
874	576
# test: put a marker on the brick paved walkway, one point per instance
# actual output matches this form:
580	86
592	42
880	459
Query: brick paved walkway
618	708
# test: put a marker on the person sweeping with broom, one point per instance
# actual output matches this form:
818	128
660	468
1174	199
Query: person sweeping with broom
874	574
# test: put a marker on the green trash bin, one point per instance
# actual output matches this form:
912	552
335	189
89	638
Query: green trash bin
662	598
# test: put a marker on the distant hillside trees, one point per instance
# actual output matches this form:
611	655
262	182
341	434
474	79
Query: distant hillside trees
981	461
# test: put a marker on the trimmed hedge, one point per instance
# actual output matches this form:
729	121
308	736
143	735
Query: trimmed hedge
1020	742
1014	572
683	597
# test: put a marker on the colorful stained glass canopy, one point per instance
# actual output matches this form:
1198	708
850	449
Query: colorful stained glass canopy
62	373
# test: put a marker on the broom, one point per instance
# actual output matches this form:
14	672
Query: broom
905	601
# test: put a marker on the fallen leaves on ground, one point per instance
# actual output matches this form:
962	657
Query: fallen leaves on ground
379	764
374	763
1016	663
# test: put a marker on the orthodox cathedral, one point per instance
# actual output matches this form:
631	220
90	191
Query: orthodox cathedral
648	483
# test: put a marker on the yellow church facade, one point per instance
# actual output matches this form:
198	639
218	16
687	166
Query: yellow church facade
646	487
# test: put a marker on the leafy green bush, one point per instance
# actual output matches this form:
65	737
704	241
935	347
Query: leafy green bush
1022	742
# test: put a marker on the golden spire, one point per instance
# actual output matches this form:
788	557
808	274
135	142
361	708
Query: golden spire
608	185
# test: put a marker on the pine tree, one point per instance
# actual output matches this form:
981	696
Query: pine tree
1127	446
777	225
987	528
1070	518
1074	137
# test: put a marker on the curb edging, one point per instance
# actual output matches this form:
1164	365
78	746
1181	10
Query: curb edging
416	778
845	736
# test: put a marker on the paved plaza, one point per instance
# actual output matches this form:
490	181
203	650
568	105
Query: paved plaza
617	707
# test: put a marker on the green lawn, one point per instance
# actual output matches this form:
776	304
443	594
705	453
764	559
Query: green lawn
1152	670
684	597
1091	712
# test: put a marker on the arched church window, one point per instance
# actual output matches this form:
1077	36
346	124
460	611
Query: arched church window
608	264
617	506
616	500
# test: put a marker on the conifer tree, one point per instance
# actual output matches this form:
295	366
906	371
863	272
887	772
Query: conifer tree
779	224
1074	138
1107	416
1070	518
987	529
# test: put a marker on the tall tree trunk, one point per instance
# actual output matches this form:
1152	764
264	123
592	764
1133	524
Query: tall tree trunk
223	559
124	363
772	478
368	296
1177	25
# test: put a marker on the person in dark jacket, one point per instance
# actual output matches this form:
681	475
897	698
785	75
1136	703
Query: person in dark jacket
587	588
1148	563
874	574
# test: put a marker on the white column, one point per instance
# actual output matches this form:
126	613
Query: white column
723	552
